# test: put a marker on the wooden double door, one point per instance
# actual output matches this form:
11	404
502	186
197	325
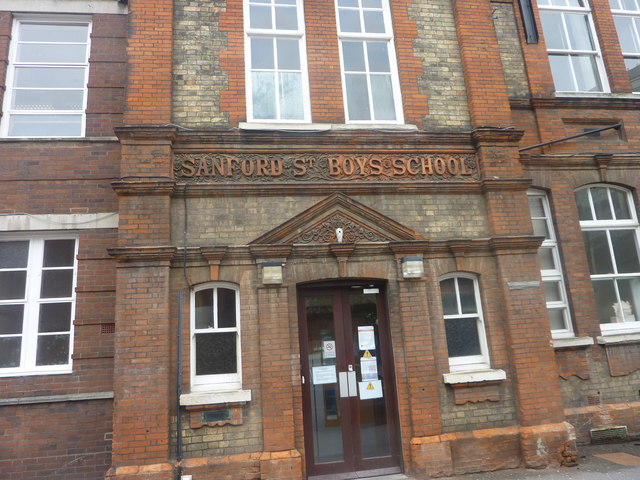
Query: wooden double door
350	409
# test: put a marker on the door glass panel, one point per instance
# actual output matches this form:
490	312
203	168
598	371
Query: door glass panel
374	436
325	411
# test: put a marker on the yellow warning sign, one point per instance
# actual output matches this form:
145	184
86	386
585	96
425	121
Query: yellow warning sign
370	386
367	354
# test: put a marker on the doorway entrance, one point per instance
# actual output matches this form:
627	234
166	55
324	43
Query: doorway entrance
350	411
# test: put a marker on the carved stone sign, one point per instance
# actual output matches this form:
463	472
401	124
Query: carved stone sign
242	168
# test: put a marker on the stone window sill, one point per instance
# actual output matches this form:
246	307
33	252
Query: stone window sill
476	376
572	342
618	339
324	127
214	398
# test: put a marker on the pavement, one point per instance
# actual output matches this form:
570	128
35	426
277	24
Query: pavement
619	461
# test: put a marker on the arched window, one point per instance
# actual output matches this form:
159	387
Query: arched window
215	337
610	229
464	325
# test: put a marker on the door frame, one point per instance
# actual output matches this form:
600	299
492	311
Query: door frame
383	465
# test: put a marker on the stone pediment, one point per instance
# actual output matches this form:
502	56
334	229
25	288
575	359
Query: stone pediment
318	225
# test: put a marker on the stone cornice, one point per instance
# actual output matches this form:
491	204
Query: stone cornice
146	132
503	135
516	244
505	184
566	161
145	254
144	186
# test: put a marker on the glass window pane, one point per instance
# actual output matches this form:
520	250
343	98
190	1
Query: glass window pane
55	317
47	100
467	295
625	251
286	18
462	337
226	308
59	253
43	53
262	53
14	254
373	22
10	352
372	3
633	69
36	77
378	56
553	292
349	20
579	31
536	206
584	208
553	30
11	317
626	34
545	257
629	5
629	289
448	295
45	126
291	104
41	32
606	299
216	353
52	350
620	205
204	309
264	95
557	319
357	97
601	203
598	252
347	3
288	54
12	285
56	284
382	97
586	73
561	72
260	17
353	56
540	228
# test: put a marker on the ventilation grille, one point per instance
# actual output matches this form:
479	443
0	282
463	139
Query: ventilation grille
108	328
609	434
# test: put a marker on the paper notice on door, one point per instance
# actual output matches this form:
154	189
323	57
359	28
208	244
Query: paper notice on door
324	374
369	368
370	389
366	338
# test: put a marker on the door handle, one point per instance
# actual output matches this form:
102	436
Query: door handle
344	384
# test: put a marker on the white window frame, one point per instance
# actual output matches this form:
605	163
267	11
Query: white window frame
468	362
563	7
619	12
554	275
32	302
609	225
275	34
216	382
9	113
364	37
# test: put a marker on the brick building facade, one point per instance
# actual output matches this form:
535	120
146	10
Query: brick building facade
287	239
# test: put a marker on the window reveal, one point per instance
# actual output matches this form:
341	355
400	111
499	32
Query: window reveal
572	45
276	76
37	279
627	19
369	72
610	230
47	79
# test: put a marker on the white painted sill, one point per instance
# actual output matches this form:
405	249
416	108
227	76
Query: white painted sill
213	398
490	375
572	342
324	127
